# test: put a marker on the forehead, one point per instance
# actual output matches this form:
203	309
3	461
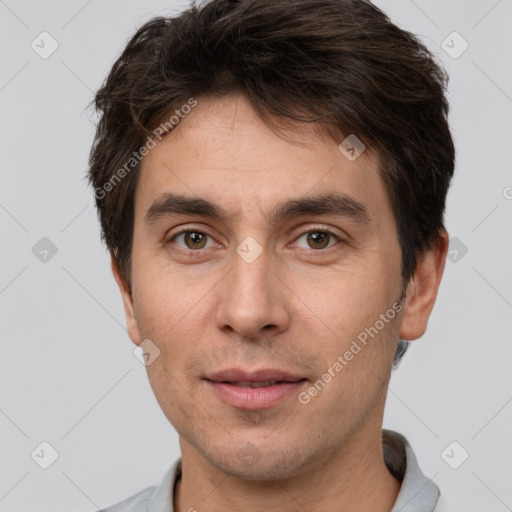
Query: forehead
224	152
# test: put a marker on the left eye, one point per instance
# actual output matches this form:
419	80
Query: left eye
319	239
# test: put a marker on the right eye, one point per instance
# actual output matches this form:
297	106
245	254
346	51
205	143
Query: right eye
191	240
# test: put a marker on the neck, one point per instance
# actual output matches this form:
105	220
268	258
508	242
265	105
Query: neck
355	477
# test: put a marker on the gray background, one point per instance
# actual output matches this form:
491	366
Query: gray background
68	375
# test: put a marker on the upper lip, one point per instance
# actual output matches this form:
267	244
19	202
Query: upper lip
265	374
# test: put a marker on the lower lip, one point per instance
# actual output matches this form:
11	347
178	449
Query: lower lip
255	398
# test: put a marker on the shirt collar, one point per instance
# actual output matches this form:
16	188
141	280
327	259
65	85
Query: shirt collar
417	493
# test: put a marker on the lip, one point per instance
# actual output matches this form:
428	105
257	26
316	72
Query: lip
238	375
226	385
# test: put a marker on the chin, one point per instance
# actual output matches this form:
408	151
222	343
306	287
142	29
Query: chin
256	463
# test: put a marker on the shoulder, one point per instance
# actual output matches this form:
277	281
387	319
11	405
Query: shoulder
136	503
157	498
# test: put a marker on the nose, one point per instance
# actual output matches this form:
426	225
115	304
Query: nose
252	300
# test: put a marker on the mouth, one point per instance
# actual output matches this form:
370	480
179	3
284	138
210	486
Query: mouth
261	389
257	384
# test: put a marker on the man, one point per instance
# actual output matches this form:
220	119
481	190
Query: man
271	179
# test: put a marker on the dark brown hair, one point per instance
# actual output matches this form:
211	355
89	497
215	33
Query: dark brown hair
340	64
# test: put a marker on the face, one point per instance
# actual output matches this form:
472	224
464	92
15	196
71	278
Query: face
269	260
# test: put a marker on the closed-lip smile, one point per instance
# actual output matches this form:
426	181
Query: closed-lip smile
256	389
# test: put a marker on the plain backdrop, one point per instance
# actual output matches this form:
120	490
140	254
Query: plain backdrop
68	375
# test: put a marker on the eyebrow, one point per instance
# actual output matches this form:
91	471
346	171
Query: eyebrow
337	204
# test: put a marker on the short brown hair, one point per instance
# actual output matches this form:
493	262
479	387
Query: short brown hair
340	64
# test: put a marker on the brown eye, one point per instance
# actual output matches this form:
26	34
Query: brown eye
192	240
318	239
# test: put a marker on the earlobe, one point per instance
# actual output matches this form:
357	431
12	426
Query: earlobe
422	289
131	322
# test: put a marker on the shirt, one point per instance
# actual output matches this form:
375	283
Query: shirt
417	493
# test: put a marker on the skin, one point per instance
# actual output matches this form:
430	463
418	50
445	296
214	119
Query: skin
297	307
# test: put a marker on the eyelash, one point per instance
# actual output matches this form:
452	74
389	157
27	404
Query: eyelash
315	252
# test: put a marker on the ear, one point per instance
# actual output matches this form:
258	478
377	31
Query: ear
131	322
422	289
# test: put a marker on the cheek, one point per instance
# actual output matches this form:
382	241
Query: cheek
352	340
344	306
356	373
175	394
164	301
